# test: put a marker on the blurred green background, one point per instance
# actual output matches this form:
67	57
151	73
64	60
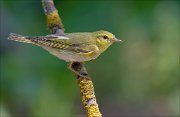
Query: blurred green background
139	77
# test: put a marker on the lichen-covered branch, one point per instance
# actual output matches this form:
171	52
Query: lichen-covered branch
88	97
86	88
84	81
53	19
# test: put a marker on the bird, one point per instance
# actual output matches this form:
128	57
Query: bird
71	47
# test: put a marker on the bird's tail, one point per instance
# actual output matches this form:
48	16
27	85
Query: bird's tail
20	38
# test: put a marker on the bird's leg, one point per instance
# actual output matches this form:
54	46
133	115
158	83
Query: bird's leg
78	68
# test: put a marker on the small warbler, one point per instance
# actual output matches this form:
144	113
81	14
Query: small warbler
72	47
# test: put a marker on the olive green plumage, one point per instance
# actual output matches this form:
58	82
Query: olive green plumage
71	47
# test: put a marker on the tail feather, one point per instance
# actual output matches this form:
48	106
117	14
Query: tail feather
20	38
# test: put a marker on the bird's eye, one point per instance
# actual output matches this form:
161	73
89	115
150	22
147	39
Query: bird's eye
105	37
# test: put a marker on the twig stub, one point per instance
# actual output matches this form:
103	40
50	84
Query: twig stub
79	69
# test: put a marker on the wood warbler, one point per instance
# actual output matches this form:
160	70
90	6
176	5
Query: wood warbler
72	47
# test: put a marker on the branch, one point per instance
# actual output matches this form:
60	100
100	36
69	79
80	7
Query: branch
84	81
86	88
53	20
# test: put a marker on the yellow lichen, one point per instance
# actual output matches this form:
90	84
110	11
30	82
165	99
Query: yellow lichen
88	97
53	19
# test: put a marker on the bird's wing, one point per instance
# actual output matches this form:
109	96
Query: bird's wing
57	37
58	42
82	48
54	41
66	43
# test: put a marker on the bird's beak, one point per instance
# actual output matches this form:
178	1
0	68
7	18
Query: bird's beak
116	40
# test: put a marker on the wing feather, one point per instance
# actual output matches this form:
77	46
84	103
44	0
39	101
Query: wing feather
66	43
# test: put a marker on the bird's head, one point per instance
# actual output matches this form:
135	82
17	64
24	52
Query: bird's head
104	38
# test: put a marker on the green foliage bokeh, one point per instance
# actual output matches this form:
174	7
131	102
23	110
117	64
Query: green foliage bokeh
137	77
